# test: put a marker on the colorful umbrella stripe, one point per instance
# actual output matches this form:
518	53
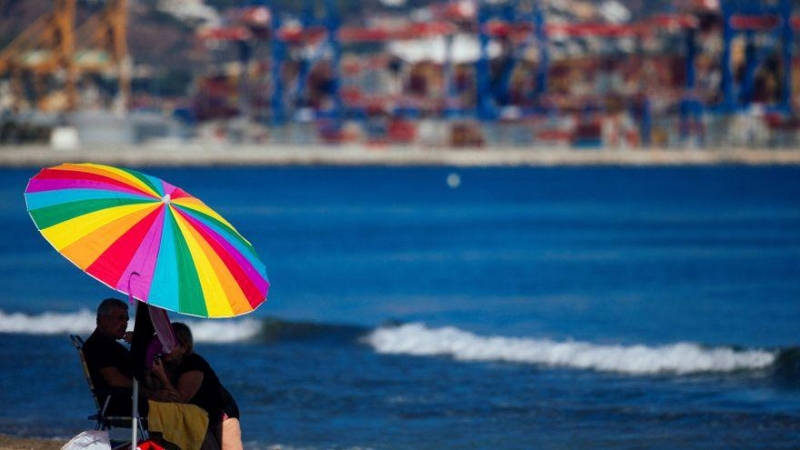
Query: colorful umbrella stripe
143	236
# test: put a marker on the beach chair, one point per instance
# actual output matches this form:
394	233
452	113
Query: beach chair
103	420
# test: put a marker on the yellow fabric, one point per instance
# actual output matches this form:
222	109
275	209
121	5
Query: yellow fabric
182	424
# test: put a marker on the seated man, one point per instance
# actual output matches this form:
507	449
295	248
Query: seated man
109	361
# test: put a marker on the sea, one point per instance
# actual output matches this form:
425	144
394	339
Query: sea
430	308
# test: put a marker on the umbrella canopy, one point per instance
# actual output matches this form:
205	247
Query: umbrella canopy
147	238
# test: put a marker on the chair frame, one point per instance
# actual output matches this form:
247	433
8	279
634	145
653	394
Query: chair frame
104	421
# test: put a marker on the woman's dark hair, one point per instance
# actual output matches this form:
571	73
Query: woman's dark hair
184	336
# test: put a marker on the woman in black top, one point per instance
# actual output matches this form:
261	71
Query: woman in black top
190	375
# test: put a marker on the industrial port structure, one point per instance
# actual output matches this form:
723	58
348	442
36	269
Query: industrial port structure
689	71
53	51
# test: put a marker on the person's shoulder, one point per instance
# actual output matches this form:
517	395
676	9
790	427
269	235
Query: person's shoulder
197	362
93	341
98	342
197	359
95	349
93	336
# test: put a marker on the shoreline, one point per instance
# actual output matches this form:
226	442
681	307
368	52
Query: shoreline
193	154
8	442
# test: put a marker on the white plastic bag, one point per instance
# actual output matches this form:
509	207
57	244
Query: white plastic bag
89	440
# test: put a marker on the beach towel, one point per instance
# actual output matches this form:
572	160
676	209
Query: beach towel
181	424
89	440
148	445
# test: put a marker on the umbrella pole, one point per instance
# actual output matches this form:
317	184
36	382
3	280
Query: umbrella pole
135	395
135	414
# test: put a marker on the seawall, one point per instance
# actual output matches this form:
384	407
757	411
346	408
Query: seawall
192	154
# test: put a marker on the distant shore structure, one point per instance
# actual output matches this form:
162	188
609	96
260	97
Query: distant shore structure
455	74
210	154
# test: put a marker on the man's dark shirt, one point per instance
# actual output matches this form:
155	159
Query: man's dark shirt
101	352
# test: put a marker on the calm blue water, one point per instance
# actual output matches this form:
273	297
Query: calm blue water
524	308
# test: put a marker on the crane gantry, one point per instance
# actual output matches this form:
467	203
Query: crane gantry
51	56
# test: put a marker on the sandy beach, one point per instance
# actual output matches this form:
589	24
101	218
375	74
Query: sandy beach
195	154
17	443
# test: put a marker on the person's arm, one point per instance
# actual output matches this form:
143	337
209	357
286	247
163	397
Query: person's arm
153	388
115	378
189	383
186	384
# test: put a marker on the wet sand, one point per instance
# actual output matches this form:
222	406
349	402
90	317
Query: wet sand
18	443
210	154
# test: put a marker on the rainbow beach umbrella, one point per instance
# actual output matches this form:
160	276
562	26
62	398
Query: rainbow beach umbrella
147	238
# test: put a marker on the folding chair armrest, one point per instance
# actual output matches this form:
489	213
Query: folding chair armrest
114	391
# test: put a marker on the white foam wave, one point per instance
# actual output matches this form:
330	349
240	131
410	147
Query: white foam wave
679	358
83	323
222	331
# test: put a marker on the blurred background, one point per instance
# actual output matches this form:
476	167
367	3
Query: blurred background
638	304
421	73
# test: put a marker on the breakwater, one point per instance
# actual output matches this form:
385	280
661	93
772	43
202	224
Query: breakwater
197	154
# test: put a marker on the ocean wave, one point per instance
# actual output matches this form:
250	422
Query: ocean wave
83	323
223	331
420	340
679	358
